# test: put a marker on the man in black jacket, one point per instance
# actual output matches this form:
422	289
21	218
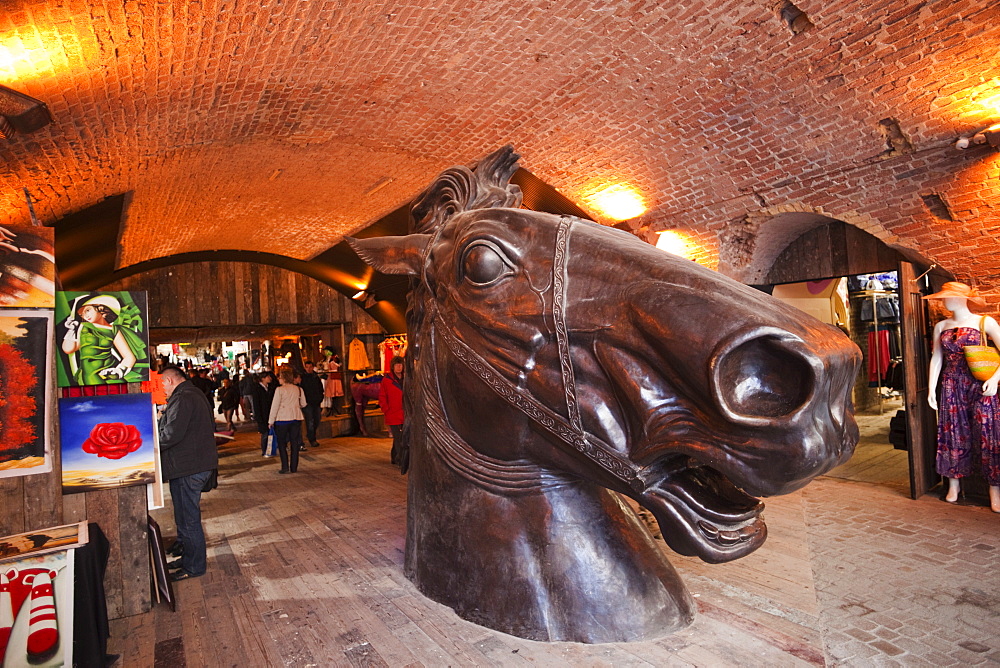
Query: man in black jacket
189	454
312	387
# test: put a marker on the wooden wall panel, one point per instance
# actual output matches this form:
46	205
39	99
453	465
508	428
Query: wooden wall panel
75	508
252	289
831	251
102	507
202	294
12	503
135	573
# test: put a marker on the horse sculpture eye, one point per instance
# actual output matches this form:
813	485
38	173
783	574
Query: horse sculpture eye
485	264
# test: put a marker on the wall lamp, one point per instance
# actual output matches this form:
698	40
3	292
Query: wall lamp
20	113
366	298
990	135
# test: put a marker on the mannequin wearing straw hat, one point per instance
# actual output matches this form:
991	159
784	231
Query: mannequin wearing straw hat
969	414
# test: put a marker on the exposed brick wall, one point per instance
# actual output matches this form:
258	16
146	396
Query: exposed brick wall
279	126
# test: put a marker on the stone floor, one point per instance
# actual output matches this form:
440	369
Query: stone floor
305	570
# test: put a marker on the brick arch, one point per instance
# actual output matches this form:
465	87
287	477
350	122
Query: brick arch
749	246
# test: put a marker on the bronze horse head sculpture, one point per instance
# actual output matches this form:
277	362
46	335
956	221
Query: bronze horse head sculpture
555	364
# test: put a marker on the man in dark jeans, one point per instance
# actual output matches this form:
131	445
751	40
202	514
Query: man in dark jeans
189	454
312	386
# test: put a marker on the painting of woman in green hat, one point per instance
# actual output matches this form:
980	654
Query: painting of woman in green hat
102	342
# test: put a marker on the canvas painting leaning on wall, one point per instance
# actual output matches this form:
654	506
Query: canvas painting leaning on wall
102	338
27	267
25	349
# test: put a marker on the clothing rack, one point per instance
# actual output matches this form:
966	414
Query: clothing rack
874	295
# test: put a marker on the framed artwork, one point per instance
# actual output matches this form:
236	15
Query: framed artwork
162	588
43	541
107	442
154	491
27	267
36	626
102	338
25	385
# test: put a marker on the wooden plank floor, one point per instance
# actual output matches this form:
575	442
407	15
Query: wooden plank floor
306	570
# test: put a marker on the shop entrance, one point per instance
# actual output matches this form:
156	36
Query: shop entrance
866	308
852	280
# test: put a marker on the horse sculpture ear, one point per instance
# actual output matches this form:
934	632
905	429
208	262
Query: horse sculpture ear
392	255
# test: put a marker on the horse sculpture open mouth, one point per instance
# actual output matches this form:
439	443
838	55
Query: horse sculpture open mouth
701	513
556	364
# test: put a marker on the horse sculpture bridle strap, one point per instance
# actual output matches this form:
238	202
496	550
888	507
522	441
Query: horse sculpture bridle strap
560	277
568	431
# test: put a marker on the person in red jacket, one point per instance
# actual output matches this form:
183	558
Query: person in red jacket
390	400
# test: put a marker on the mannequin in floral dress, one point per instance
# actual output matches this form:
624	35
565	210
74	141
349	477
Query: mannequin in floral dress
969	412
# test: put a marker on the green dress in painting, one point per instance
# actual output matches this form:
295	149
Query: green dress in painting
97	345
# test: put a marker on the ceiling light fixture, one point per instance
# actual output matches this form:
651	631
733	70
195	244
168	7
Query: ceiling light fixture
675	243
990	135
618	202
20	113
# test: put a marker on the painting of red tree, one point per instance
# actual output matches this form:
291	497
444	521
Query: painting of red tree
17	401
25	356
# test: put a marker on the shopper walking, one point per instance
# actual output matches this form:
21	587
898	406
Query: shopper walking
246	384
312	386
229	401
285	418
261	396
390	400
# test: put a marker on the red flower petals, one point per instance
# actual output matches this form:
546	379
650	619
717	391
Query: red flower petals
113	440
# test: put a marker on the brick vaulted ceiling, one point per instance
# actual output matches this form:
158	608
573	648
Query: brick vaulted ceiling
281	125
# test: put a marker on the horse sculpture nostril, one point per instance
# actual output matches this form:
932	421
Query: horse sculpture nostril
763	378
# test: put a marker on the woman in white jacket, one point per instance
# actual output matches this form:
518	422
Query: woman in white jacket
286	419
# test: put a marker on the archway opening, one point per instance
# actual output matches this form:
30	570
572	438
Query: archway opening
848	278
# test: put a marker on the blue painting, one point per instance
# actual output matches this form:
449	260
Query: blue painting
107	442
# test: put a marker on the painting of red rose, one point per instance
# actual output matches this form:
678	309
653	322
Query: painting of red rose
107	441
25	345
113	440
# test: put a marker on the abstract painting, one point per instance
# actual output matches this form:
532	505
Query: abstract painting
102	338
25	349
42	541
36	610
27	267
107	442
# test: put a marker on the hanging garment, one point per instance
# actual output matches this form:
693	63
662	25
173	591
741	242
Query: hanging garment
886	309
878	356
357	356
389	349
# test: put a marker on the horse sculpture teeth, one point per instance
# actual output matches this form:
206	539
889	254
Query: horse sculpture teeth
726	538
